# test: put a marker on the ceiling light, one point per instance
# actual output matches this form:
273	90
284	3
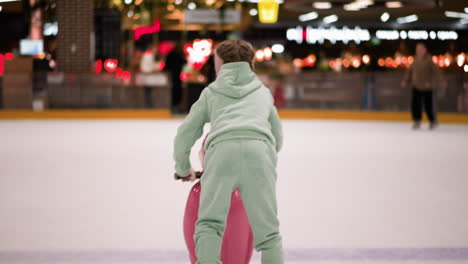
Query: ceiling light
385	17
191	6
178	2
351	7
393	4
407	19
128	2
4	1
1	8
308	16
277	48
456	14
253	12
364	3
330	19
322	5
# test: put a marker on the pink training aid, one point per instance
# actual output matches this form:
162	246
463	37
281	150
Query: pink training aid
237	245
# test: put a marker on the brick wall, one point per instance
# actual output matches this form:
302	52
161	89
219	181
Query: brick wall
75	21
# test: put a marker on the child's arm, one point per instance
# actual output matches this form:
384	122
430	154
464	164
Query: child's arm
187	133
276	128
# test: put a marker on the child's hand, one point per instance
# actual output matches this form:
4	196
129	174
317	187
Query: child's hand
191	177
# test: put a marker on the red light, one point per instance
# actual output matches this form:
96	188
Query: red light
388	62
346	63
304	34
161	65
110	65
186	49
165	47
381	62
309	60
98	66
184	76
332	64
126	75
441	63
9	56
119	74
140	31
2	66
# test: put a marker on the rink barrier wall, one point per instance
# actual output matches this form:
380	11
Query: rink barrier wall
85	114
166	114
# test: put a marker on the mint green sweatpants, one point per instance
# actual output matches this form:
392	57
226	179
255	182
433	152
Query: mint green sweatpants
250	165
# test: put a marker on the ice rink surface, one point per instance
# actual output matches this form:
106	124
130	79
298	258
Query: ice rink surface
98	192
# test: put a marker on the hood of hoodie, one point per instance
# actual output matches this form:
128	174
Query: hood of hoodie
235	80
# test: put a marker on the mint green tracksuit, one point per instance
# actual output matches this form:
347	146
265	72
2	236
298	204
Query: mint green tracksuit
241	152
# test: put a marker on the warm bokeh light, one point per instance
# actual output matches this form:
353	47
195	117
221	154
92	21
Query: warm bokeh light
310	60
366	59
346	63
297	63
381	62
461	59
355	62
259	55
267	52
268	11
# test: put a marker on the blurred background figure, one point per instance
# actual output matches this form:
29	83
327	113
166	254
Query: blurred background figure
175	61
421	76
148	65
208	70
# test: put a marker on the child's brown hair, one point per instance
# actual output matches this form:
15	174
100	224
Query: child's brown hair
236	50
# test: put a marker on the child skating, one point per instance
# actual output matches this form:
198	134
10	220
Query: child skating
241	152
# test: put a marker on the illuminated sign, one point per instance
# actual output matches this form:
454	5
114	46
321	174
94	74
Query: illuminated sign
140	31
198	52
318	35
416	34
313	35
212	16
31	47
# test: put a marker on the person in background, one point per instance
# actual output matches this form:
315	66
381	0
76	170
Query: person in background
208	70
421	76
148	65
175	61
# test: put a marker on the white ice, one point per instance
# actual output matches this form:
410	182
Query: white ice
92	186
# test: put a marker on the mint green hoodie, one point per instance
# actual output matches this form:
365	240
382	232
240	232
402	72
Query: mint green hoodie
238	105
